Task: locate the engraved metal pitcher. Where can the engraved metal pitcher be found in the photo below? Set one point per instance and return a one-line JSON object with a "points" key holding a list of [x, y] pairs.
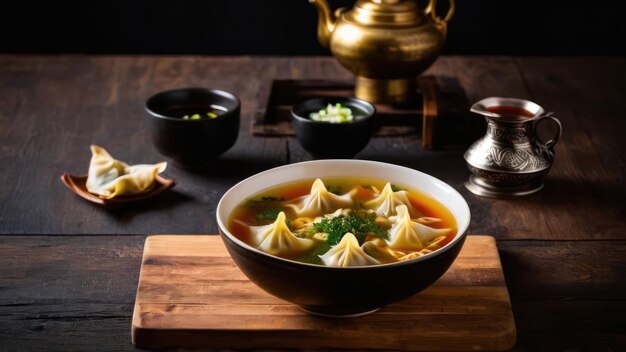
{"points": [[510, 160]]}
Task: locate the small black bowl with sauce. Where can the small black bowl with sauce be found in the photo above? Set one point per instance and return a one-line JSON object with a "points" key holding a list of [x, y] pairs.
{"points": [[330, 139], [193, 125]]}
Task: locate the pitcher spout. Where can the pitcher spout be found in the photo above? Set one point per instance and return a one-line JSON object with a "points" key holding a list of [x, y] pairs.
{"points": [[325, 22]]}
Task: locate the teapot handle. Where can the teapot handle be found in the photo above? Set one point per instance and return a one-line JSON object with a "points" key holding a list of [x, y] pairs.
{"points": [[442, 24], [552, 142]]}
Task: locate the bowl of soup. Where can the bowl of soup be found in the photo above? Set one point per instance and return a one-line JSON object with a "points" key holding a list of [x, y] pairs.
{"points": [[194, 125], [342, 237]]}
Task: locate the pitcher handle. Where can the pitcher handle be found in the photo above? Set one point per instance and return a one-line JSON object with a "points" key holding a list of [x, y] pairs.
{"points": [[442, 24], [549, 145]]}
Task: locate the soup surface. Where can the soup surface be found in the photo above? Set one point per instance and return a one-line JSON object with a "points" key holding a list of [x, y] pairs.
{"points": [[510, 111], [193, 112], [343, 222]]}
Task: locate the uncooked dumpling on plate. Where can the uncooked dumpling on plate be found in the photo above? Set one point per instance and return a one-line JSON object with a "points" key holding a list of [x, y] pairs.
{"points": [[277, 239], [108, 177]]}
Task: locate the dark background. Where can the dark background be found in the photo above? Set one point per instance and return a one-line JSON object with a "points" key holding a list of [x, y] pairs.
{"points": [[287, 27]]}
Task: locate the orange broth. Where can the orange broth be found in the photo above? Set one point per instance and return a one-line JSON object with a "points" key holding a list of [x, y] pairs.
{"points": [[426, 205]]}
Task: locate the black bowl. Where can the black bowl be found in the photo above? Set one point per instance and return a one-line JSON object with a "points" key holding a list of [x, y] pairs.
{"points": [[193, 143], [333, 291], [333, 140], [341, 292]]}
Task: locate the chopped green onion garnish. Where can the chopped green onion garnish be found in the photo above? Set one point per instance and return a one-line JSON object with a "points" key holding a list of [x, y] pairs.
{"points": [[333, 114], [209, 114]]}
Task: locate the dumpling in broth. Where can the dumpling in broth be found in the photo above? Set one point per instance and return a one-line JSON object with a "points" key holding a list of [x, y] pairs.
{"points": [[320, 201], [406, 234], [347, 253], [108, 177], [385, 204], [277, 239]]}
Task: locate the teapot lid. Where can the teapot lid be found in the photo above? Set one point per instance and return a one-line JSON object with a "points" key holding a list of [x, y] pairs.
{"points": [[401, 12]]}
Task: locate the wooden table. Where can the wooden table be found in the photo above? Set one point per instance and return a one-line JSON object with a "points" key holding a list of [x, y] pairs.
{"points": [[68, 269]]}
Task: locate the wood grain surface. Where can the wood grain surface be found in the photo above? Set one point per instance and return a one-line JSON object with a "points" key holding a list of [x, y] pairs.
{"points": [[76, 293], [53, 107], [192, 295], [69, 269]]}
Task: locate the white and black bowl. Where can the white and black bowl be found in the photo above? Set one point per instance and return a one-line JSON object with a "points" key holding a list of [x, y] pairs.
{"points": [[333, 291]]}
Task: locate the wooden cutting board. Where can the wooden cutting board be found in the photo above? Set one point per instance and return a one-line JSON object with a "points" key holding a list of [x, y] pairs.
{"points": [[191, 295]]}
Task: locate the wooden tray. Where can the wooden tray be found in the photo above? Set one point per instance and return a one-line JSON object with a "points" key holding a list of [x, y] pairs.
{"points": [[440, 111], [191, 295]]}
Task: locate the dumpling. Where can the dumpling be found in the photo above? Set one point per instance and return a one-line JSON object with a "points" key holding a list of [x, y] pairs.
{"points": [[406, 234], [277, 239], [385, 204], [110, 178], [320, 201], [347, 253]]}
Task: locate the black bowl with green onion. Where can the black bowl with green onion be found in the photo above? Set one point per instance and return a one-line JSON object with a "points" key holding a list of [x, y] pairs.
{"points": [[333, 127], [193, 125]]}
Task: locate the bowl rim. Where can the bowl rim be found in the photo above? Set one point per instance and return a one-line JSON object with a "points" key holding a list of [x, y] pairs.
{"points": [[461, 228], [214, 91], [366, 117]]}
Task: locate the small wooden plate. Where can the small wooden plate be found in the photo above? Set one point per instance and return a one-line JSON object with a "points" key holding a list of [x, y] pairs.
{"points": [[78, 185]]}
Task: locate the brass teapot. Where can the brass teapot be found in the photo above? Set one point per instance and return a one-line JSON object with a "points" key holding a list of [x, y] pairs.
{"points": [[385, 43]]}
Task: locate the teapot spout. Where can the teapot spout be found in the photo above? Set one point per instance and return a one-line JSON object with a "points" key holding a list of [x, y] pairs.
{"points": [[325, 21]]}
